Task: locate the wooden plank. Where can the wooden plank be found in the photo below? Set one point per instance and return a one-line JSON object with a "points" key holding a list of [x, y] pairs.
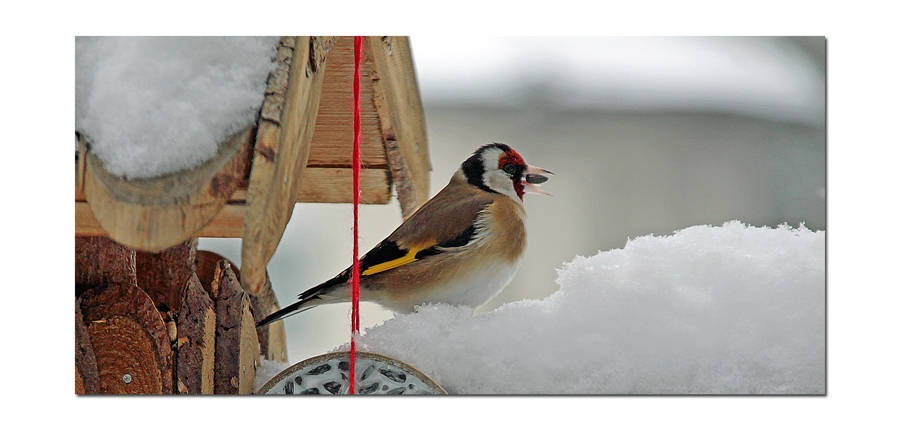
{"points": [[162, 275], [196, 345], [281, 154], [154, 214], [228, 223], [272, 340], [402, 119], [332, 143], [335, 185], [237, 346], [130, 340], [319, 185]]}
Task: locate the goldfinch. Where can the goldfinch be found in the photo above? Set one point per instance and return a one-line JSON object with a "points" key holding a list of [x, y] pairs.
{"points": [[462, 247]]}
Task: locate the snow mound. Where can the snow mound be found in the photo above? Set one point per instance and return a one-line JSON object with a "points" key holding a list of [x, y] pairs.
{"points": [[157, 105], [708, 310], [268, 369]]}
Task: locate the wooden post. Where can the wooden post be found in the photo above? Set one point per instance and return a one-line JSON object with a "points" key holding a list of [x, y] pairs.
{"points": [[87, 380], [281, 153], [101, 261], [196, 342], [237, 346], [163, 275], [272, 342], [129, 339], [402, 119]]}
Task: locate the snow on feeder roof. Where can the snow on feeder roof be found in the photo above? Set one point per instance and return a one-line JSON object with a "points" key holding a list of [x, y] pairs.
{"points": [[158, 105]]}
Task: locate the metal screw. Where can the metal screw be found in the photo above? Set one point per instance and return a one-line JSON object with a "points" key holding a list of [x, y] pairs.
{"points": [[126, 378], [308, 70]]}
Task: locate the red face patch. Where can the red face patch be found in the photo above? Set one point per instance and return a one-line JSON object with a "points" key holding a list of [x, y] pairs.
{"points": [[511, 156]]}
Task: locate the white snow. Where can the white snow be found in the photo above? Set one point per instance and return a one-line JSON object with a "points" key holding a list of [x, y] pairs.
{"points": [[157, 105], [708, 310], [268, 369]]}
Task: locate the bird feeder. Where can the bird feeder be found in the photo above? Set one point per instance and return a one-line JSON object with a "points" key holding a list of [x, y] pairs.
{"points": [[141, 283], [329, 373]]}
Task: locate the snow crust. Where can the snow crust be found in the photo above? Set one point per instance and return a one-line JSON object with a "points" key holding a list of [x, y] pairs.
{"points": [[157, 105], [734, 309]]}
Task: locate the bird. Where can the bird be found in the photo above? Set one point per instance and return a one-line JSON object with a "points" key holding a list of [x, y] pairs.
{"points": [[462, 247]]}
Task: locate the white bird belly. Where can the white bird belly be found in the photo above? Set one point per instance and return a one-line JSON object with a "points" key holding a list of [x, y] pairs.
{"points": [[476, 288]]}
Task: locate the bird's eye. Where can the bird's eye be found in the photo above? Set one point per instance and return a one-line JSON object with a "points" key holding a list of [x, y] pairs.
{"points": [[509, 168]]}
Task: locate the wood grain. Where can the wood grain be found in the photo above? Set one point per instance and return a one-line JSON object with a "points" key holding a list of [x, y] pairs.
{"points": [[154, 214], [128, 335], [402, 119], [101, 261], [162, 275], [87, 379], [275, 180], [196, 344], [237, 346]]}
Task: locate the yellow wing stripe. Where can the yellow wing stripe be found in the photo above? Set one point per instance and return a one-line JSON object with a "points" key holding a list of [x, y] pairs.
{"points": [[388, 265]]}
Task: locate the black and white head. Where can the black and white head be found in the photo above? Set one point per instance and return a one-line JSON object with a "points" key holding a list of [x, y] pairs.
{"points": [[497, 168]]}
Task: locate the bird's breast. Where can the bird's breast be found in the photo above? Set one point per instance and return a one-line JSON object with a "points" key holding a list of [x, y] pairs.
{"points": [[470, 275], [475, 288]]}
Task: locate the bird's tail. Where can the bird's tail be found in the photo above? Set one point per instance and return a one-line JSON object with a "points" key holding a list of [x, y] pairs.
{"points": [[295, 308], [320, 294]]}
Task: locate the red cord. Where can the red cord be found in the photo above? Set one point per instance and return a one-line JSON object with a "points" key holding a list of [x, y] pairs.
{"points": [[354, 317]]}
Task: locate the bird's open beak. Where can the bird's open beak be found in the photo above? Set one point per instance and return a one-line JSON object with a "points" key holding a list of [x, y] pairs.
{"points": [[533, 177]]}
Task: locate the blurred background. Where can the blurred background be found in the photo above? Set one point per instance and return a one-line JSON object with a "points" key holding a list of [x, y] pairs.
{"points": [[646, 135]]}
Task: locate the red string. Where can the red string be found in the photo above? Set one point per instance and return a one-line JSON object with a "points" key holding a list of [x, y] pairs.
{"points": [[354, 280]]}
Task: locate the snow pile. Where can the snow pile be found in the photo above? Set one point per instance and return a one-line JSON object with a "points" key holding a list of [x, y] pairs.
{"points": [[708, 310], [157, 105], [268, 369]]}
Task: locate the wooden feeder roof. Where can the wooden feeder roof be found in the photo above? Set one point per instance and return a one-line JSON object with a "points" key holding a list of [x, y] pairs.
{"points": [[299, 150]]}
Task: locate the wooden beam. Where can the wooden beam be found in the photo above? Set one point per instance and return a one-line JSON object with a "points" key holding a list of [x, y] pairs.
{"points": [[155, 214], [402, 119], [335, 185], [319, 185], [281, 146]]}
